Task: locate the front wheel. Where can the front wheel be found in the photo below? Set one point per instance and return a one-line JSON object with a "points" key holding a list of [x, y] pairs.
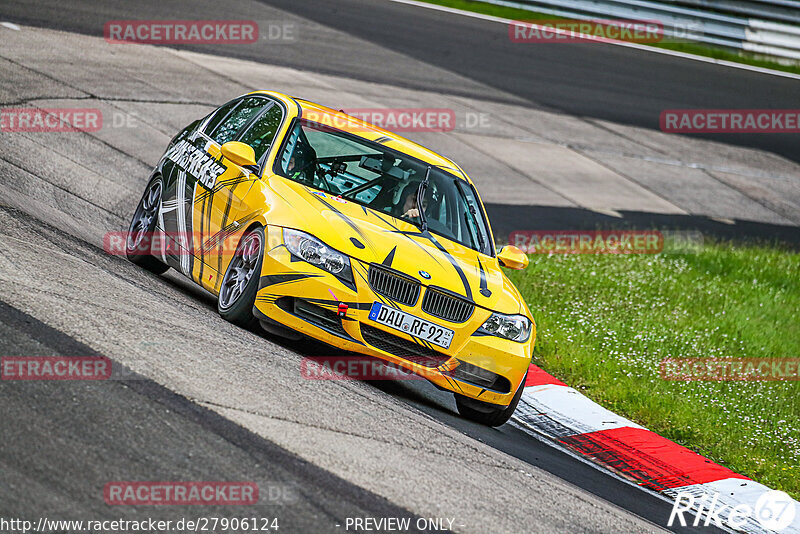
{"points": [[485, 413], [237, 294], [143, 224]]}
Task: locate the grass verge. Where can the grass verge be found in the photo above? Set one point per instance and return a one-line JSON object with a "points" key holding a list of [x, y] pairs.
{"points": [[699, 49], [605, 322]]}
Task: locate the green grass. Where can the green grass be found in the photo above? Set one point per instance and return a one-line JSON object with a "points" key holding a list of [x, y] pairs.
{"points": [[692, 48], [605, 322]]}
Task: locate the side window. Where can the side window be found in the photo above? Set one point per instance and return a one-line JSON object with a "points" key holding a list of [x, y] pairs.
{"points": [[242, 113], [219, 115], [262, 132]]}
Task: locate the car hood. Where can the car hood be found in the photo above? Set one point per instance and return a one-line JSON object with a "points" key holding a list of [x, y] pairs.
{"points": [[375, 237]]}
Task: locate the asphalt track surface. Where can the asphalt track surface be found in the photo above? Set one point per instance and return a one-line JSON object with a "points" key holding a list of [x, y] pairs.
{"points": [[602, 81], [172, 439], [65, 442]]}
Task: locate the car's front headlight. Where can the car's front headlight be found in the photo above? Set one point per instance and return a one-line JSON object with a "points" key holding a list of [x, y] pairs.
{"points": [[309, 248], [513, 327]]}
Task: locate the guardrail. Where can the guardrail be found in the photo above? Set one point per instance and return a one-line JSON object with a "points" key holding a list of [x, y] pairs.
{"points": [[764, 27]]}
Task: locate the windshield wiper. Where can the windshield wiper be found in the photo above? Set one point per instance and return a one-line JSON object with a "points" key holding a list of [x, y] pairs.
{"points": [[472, 212], [423, 187]]}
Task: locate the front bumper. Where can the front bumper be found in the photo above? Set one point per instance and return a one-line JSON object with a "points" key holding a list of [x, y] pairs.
{"points": [[305, 299]]}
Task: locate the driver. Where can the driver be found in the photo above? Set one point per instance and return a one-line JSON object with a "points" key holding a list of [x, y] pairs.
{"points": [[407, 207]]}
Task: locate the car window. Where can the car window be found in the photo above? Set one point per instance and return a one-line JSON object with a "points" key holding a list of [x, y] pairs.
{"points": [[245, 110], [262, 132], [219, 115], [385, 180]]}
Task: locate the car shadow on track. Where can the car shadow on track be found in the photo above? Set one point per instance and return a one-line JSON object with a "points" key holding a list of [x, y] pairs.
{"points": [[414, 391]]}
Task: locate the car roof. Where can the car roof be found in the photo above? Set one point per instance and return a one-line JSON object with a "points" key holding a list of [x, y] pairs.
{"points": [[342, 121]]}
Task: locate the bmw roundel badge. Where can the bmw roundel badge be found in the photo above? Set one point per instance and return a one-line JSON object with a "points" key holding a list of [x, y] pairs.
{"points": [[425, 275]]}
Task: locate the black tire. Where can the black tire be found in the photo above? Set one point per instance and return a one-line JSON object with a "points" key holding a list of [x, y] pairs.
{"points": [[485, 413], [143, 224], [237, 293]]}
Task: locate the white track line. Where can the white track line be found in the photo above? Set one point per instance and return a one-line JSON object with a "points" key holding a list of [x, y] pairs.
{"points": [[637, 46]]}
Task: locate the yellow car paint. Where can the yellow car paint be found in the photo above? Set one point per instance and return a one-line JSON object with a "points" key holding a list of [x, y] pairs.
{"points": [[240, 199]]}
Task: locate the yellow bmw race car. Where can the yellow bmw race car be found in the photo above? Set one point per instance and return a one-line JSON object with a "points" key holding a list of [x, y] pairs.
{"points": [[311, 222]]}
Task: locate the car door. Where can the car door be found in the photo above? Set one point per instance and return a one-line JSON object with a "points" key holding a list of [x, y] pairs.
{"points": [[220, 212], [194, 175], [179, 170]]}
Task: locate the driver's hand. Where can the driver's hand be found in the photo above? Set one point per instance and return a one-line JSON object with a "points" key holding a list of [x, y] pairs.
{"points": [[411, 214]]}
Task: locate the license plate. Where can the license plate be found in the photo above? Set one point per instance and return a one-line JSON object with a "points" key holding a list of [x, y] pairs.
{"points": [[405, 322]]}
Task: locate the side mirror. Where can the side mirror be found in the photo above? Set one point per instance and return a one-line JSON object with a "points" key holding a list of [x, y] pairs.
{"points": [[512, 257], [239, 153]]}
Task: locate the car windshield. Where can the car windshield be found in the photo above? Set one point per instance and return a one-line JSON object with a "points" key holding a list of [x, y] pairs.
{"points": [[385, 180]]}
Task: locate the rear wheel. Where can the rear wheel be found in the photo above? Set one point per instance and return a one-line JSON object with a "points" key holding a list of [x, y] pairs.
{"points": [[485, 413], [237, 294], [143, 224]]}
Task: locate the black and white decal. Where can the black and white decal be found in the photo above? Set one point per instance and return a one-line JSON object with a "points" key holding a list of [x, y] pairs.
{"points": [[196, 162], [182, 229]]}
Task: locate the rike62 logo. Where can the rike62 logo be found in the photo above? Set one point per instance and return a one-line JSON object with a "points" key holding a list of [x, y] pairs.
{"points": [[773, 511]]}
